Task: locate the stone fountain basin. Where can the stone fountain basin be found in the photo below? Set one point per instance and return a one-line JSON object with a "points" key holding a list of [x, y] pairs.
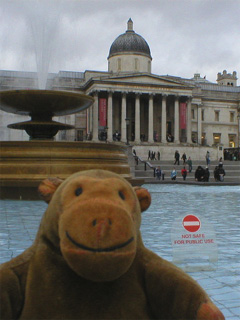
{"points": [[43, 102], [24, 164]]}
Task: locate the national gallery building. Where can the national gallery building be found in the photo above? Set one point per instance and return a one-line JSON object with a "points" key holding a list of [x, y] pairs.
{"points": [[133, 105]]}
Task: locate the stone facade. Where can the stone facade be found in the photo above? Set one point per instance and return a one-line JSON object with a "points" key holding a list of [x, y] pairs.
{"points": [[134, 105]]}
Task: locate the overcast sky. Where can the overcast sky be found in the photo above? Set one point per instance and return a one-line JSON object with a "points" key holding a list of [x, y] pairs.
{"points": [[184, 36]]}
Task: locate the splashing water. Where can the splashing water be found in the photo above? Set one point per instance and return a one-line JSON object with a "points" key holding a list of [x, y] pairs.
{"points": [[43, 18]]}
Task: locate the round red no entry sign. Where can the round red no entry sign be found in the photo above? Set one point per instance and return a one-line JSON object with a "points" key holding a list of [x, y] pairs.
{"points": [[191, 223]]}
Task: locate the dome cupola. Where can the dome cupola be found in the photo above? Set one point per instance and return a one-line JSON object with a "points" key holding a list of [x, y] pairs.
{"points": [[129, 52]]}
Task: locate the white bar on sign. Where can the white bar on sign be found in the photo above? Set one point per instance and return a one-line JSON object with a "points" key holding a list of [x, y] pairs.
{"points": [[191, 223]]}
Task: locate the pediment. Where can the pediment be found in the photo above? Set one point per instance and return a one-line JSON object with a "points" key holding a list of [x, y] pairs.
{"points": [[147, 79]]}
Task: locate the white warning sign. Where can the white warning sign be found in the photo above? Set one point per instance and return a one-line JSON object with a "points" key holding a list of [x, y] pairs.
{"points": [[194, 244]]}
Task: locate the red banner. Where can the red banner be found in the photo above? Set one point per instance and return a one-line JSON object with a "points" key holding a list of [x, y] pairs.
{"points": [[183, 115], [103, 112]]}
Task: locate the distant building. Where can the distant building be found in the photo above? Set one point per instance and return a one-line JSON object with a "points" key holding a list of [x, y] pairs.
{"points": [[133, 104]]}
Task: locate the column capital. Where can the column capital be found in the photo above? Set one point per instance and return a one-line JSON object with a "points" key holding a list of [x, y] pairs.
{"points": [[138, 94], [94, 92]]}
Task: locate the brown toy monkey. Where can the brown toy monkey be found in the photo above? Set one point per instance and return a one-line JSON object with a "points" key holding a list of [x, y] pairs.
{"points": [[89, 262]]}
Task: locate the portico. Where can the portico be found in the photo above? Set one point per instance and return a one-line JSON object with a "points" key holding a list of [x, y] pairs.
{"points": [[154, 117]]}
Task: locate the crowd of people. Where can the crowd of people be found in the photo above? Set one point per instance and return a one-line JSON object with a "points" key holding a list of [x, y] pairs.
{"points": [[152, 155], [201, 174]]}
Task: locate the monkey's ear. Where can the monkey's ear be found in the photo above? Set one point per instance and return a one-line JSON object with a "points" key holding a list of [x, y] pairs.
{"points": [[144, 197], [47, 188]]}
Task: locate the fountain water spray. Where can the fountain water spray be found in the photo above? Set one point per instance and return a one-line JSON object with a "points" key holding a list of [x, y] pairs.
{"points": [[43, 17]]}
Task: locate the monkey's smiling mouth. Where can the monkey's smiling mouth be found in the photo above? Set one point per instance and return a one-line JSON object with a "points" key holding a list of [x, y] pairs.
{"points": [[108, 249]]}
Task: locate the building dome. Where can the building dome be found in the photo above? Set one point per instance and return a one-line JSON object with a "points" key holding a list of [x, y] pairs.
{"points": [[130, 43]]}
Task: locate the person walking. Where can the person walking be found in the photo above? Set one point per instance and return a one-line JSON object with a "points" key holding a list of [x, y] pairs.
{"points": [[149, 155], [189, 162], [154, 155], [174, 174], [184, 173], [177, 157], [184, 157], [158, 173], [163, 175], [220, 161], [208, 158]]}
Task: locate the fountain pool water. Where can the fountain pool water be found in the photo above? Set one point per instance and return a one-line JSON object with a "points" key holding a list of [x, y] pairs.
{"points": [[19, 222]]}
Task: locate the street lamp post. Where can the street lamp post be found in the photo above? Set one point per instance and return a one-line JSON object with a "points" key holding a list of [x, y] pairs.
{"points": [[127, 125]]}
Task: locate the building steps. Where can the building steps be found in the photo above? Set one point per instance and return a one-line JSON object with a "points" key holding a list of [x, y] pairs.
{"points": [[232, 170]]}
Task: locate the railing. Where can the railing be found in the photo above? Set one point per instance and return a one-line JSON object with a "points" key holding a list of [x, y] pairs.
{"points": [[146, 164]]}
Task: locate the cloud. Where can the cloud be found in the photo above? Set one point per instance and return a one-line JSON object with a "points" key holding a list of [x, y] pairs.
{"points": [[185, 36]]}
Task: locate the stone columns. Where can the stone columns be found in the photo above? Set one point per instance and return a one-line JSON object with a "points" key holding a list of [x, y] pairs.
{"points": [[90, 120], [189, 120], [95, 117], [137, 119], [199, 124], [176, 119], [123, 120], [150, 119], [109, 118], [164, 118]]}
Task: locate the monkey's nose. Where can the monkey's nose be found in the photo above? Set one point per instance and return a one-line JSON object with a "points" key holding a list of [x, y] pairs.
{"points": [[102, 226]]}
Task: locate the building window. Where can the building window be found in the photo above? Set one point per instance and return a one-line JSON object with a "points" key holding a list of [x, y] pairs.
{"points": [[63, 135], [202, 115], [216, 138], [194, 137], [232, 140], [216, 115], [203, 139], [193, 114], [231, 116]]}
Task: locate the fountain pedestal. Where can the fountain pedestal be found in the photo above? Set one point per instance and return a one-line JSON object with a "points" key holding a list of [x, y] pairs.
{"points": [[41, 106], [24, 164]]}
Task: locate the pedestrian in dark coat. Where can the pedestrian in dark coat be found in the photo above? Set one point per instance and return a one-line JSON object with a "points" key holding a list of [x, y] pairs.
{"points": [[177, 157], [199, 173], [158, 173], [189, 162], [206, 175], [184, 157], [149, 155]]}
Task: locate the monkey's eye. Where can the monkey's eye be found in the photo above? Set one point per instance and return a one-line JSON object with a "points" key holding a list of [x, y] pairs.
{"points": [[121, 195], [78, 191]]}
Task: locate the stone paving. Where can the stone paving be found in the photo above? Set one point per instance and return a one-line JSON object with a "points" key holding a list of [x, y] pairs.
{"points": [[19, 221]]}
